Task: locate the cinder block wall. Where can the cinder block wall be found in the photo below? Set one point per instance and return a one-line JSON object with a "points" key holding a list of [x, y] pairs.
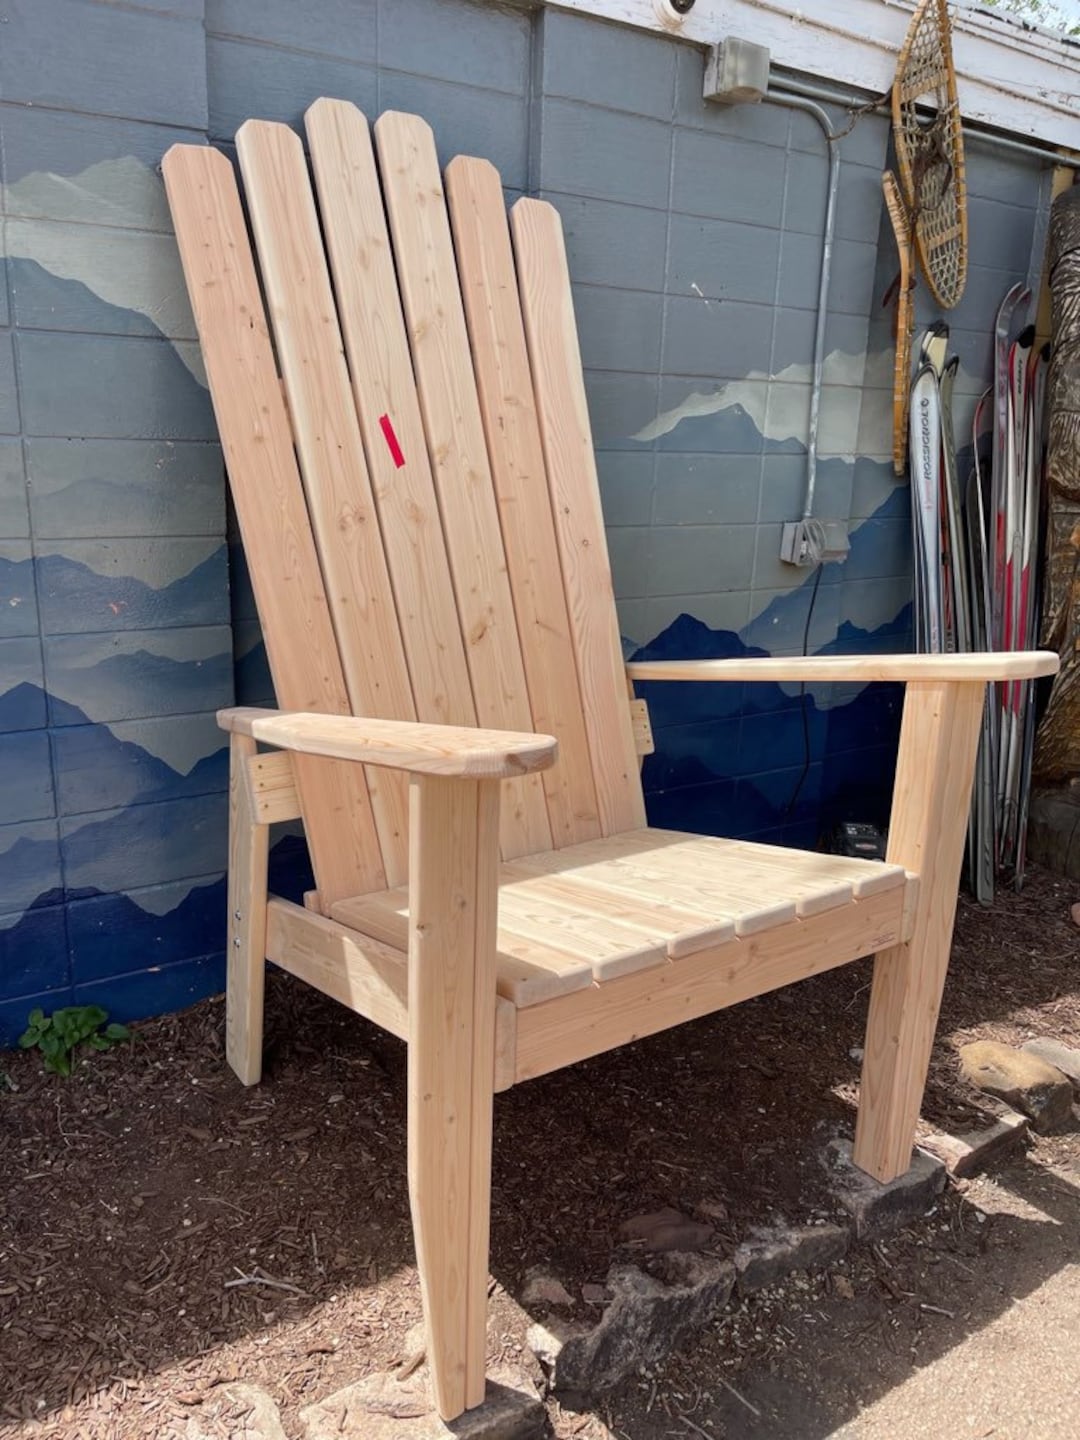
{"points": [[694, 236]]}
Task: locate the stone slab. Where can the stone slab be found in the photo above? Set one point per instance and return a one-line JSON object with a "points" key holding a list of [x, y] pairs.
{"points": [[1062, 1057], [876, 1208], [383, 1408], [647, 1317], [770, 1257], [969, 1151]]}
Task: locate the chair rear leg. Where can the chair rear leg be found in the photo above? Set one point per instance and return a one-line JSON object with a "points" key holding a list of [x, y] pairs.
{"points": [[246, 960], [453, 860], [934, 773]]}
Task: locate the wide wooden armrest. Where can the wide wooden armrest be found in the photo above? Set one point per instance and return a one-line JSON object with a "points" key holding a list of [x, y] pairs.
{"points": [[1011, 665], [397, 744]]}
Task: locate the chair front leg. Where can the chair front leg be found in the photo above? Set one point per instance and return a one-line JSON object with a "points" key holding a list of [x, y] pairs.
{"points": [[246, 960], [453, 899], [939, 741]]}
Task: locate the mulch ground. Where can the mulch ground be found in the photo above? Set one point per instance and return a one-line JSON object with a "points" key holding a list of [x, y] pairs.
{"points": [[164, 1231]]}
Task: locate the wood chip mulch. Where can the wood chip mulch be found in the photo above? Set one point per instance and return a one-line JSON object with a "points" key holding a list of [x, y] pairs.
{"points": [[164, 1231]]}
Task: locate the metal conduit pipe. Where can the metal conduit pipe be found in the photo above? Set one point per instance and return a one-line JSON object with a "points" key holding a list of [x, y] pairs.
{"points": [[810, 106], [851, 100]]}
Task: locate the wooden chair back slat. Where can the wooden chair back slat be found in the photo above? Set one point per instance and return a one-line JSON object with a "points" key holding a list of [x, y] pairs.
{"points": [[548, 310], [257, 441], [442, 363], [384, 391], [331, 453], [504, 384]]}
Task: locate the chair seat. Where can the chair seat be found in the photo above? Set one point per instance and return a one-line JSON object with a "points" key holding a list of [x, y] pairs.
{"points": [[589, 913]]}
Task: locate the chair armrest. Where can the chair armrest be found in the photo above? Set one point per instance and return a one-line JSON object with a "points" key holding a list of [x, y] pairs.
{"points": [[397, 744], [1006, 665]]}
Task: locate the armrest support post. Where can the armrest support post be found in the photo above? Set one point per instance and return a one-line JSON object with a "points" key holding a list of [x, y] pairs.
{"points": [[453, 916], [939, 741]]}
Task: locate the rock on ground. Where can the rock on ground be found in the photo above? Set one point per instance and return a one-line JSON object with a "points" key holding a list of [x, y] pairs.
{"points": [[541, 1287], [878, 1208], [1063, 1057], [973, 1150], [667, 1229], [773, 1255], [382, 1408], [647, 1317], [1022, 1080]]}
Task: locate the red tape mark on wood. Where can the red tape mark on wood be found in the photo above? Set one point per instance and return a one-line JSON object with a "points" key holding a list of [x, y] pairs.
{"points": [[391, 441]]}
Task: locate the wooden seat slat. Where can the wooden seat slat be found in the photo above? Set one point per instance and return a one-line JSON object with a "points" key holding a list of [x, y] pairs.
{"points": [[609, 907], [527, 972]]}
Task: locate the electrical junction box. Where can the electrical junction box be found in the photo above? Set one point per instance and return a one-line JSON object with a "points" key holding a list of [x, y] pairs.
{"points": [[814, 542], [736, 72]]}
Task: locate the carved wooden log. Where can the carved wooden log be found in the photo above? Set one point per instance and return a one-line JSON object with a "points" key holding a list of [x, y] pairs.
{"points": [[1057, 752]]}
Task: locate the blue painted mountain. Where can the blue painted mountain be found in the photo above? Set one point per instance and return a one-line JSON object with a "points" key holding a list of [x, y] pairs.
{"points": [[133, 960], [47, 301], [127, 686], [74, 598], [33, 950], [113, 934], [26, 776], [97, 771], [146, 844], [29, 864], [729, 759]]}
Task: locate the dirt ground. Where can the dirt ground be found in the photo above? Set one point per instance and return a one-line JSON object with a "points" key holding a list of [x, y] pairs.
{"points": [[163, 1231]]}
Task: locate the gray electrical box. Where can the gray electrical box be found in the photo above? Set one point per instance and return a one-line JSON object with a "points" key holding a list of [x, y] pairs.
{"points": [[737, 72]]}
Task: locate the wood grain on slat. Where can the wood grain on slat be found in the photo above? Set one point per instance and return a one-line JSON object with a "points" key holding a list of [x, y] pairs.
{"points": [[636, 863], [504, 383], [682, 931], [340, 502], [269, 498], [608, 946], [384, 391], [555, 359], [423, 249], [527, 971]]}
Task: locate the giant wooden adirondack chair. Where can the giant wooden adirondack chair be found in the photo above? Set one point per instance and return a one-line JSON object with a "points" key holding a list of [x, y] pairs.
{"points": [[409, 452]]}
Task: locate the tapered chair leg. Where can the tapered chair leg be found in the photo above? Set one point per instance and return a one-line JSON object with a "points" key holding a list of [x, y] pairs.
{"points": [[936, 765], [246, 958], [453, 862]]}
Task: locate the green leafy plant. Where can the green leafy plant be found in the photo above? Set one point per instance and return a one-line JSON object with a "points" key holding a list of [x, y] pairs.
{"points": [[60, 1034]]}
